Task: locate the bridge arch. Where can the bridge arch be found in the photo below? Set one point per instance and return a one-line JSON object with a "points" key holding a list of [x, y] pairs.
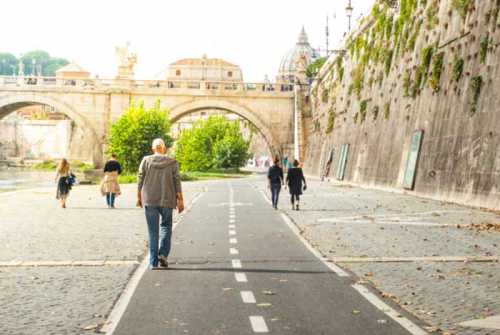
{"points": [[183, 109], [11, 103]]}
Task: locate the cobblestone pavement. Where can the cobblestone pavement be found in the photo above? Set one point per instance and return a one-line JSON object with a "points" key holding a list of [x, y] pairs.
{"points": [[66, 300], [356, 223]]}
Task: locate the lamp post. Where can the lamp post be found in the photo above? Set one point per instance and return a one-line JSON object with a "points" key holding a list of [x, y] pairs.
{"points": [[348, 11]]}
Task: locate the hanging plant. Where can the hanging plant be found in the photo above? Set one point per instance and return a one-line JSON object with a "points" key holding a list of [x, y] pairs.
{"points": [[463, 7], [476, 86], [362, 110], [458, 68], [483, 48], [387, 110], [437, 69], [331, 122]]}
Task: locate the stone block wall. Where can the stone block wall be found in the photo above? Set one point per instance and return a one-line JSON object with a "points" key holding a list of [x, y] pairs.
{"points": [[430, 65]]}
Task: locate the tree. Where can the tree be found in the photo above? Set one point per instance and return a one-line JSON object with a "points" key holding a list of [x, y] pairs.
{"points": [[313, 68], [8, 64], [130, 137], [215, 143]]}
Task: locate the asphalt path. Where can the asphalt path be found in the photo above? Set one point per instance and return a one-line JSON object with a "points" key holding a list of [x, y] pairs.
{"points": [[236, 267]]}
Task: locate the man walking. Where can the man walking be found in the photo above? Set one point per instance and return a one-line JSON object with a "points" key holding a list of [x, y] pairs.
{"points": [[275, 177], [159, 191]]}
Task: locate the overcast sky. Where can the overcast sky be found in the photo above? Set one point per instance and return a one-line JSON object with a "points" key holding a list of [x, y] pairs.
{"points": [[253, 34]]}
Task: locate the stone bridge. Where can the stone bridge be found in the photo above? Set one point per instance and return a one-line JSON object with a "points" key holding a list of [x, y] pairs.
{"points": [[93, 104]]}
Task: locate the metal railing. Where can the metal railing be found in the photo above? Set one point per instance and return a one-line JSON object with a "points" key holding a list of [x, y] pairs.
{"points": [[169, 85]]}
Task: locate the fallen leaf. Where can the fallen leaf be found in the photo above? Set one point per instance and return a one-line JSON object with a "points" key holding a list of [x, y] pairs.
{"points": [[355, 312], [90, 327], [268, 292], [264, 304]]}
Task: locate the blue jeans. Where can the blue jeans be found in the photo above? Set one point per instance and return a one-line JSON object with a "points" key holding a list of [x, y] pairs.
{"points": [[153, 215], [275, 194], [110, 199]]}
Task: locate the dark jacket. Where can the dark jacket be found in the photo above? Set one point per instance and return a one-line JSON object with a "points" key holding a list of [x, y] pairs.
{"points": [[295, 180], [112, 166], [275, 175], [159, 181]]}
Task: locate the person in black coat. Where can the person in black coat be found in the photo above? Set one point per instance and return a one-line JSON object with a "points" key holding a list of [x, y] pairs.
{"points": [[296, 183], [275, 177]]}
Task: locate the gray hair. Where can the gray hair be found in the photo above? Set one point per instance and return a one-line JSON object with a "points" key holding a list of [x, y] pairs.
{"points": [[158, 143]]}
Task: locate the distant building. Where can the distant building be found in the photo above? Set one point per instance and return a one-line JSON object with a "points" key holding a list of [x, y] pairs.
{"points": [[205, 69], [296, 59]]}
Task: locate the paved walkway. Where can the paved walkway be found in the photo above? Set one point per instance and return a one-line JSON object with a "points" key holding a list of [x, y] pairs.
{"points": [[62, 270], [437, 260], [238, 268]]}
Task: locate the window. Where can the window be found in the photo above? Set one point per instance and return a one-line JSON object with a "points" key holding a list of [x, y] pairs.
{"points": [[177, 72], [230, 74]]}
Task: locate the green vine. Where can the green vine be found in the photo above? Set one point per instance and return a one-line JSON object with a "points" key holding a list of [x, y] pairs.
{"points": [[375, 112], [483, 48], [324, 95], [431, 14], [463, 7], [413, 39], [458, 68], [340, 68], [476, 86], [388, 61], [387, 110], [355, 117], [358, 80], [362, 110], [331, 121], [437, 69], [406, 84]]}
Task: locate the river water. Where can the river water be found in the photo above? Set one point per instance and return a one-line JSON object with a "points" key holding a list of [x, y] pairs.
{"points": [[13, 179]]}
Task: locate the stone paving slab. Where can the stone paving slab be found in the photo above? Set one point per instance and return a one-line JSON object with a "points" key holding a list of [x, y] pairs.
{"points": [[48, 300], [61, 270], [404, 245]]}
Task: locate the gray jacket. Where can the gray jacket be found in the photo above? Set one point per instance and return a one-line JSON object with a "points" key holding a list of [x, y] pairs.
{"points": [[159, 181]]}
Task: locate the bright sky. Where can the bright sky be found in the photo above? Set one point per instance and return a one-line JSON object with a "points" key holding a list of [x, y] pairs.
{"points": [[253, 34]]}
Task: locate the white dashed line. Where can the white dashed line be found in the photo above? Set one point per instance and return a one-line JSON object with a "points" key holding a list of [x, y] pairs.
{"points": [[248, 297], [377, 302], [236, 263], [232, 232], [233, 240], [232, 221], [231, 226], [232, 216], [258, 324], [233, 251], [240, 277]]}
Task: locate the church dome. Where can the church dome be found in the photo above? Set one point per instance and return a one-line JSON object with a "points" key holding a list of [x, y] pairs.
{"points": [[288, 65]]}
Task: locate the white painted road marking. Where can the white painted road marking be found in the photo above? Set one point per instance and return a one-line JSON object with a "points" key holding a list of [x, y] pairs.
{"points": [[232, 221], [240, 277], [232, 216], [232, 226], [377, 302], [233, 251], [248, 297], [258, 324], [236, 263], [233, 240], [332, 266], [232, 232]]}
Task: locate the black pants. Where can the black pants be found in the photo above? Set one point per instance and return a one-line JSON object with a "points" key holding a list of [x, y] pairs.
{"points": [[275, 193], [295, 198]]}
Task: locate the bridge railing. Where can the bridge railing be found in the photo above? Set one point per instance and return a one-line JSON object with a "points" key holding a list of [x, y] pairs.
{"points": [[161, 85]]}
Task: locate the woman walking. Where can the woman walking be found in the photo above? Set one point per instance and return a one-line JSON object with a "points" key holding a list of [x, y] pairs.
{"points": [[275, 177], [109, 186], [64, 181], [296, 183]]}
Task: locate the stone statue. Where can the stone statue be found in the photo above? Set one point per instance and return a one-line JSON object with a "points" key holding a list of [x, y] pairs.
{"points": [[126, 62]]}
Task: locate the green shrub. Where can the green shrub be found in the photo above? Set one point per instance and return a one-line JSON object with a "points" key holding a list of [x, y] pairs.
{"points": [[331, 122], [215, 143]]}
